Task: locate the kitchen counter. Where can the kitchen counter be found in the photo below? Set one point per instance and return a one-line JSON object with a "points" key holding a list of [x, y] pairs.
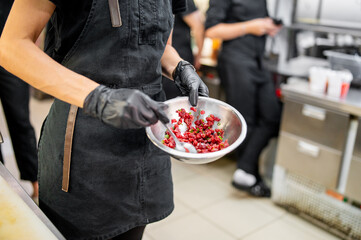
{"points": [[298, 89], [20, 217], [318, 104], [317, 170]]}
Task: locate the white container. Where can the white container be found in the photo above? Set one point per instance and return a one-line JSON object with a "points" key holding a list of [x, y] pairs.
{"points": [[318, 79], [338, 83], [334, 84]]}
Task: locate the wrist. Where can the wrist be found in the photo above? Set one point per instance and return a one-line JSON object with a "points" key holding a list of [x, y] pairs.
{"points": [[245, 28], [180, 67]]}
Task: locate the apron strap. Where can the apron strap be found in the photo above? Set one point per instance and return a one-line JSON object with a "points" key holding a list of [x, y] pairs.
{"points": [[68, 145]]}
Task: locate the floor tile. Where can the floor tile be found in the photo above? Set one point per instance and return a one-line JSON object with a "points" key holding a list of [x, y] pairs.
{"points": [[238, 216], [269, 206], [181, 171], [199, 192], [39, 109], [222, 169], [190, 227], [180, 210], [280, 230], [308, 227]]}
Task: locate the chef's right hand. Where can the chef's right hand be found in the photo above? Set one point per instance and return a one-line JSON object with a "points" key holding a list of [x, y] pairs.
{"points": [[262, 26], [124, 108]]}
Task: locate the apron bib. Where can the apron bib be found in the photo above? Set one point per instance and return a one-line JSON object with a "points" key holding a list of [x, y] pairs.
{"points": [[118, 178]]}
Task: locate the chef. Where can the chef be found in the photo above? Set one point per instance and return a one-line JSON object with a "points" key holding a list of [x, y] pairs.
{"points": [[99, 175], [243, 26]]}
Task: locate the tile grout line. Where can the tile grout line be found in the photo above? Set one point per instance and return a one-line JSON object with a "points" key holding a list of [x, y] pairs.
{"points": [[216, 226], [263, 226]]}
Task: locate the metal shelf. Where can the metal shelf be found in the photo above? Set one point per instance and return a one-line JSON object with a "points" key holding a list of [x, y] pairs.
{"points": [[325, 29]]}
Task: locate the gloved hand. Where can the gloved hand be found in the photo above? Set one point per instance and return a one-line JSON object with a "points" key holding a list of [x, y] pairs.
{"points": [[189, 83], [124, 108]]}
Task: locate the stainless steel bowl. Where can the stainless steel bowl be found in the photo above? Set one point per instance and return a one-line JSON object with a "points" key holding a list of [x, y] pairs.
{"points": [[232, 122]]}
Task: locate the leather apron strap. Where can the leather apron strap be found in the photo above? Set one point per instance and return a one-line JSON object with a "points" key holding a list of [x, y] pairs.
{"points": [[67, 146]]}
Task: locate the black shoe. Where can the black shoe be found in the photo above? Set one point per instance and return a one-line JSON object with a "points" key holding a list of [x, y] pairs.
{"points": [[259, 189]]}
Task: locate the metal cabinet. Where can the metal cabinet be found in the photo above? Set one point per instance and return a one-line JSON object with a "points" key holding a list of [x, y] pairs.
{"points": [[316, 124], [357, 147], [318, 163], [309, 159], [353, 185], [311, 142]]}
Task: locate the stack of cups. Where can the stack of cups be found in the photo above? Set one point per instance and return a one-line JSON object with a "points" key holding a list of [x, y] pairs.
{"points": [[339, 83], [318, 79], [335, 83]]}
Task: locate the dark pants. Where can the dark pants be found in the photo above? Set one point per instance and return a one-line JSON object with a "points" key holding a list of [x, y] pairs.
{"points": [[170, 89], [250, 90], [132, 234], [14, 95]]}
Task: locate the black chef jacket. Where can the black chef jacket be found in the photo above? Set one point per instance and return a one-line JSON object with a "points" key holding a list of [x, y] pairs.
{"points": [[5, 6], [232, 11], [181, 33]]}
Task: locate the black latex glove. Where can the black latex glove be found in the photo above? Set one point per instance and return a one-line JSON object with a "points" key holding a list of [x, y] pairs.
{"points": [[189, 83], [124, 108]]}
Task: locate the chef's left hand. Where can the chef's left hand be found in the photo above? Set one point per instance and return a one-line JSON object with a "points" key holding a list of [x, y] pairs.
{"points": [[189, 83]]}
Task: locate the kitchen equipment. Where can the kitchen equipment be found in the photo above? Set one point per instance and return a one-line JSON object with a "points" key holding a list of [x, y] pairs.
{"points": [[232, 122], [180, 146], [343, 59], [277, 21], [318, 79]]}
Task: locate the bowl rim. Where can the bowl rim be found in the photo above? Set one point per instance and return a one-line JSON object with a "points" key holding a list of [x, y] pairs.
{"points": [[222, 152]]}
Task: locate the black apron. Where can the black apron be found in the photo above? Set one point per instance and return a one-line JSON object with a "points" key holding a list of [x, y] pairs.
{"points": [[118, 178]]}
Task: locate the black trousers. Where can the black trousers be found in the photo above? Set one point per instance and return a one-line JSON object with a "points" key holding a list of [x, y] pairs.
{"points": [[133, 234], [250, 90], [14, 96]]}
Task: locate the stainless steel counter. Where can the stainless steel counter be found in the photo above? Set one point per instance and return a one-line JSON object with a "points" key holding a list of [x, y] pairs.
{"points": [[317, 170], [15, 186], [298, 89]]}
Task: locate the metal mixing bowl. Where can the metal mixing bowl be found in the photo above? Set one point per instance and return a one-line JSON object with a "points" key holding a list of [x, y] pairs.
{"points": [[232, 122]]}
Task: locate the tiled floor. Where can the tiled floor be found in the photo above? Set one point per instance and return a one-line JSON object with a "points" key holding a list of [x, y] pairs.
{"points": [[207, 207]]}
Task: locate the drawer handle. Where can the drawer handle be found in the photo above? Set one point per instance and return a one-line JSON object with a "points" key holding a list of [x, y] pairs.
{"points": [[314, 112], [308, 149]]}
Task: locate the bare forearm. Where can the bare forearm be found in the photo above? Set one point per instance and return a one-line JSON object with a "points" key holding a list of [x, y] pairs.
{"points": [[196, 23], [227, 31], [25, 60], [169, 61], [20, 55], [199, 38]]}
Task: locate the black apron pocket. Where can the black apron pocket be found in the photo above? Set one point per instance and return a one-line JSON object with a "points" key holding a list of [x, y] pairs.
{"points": [[148, 22]]}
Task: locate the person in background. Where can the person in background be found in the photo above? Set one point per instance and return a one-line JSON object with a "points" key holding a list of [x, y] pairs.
{"points": [[14, 96], [100, 177], [186, 22], [243, 26]]}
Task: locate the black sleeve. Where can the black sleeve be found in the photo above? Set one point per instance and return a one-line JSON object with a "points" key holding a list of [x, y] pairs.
{"points": [[191, 7], [179, 6], [267, 14], [57, 3], [217, 12]]}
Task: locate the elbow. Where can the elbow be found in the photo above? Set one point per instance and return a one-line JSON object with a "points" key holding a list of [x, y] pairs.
{"points": [[7, 51]]}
